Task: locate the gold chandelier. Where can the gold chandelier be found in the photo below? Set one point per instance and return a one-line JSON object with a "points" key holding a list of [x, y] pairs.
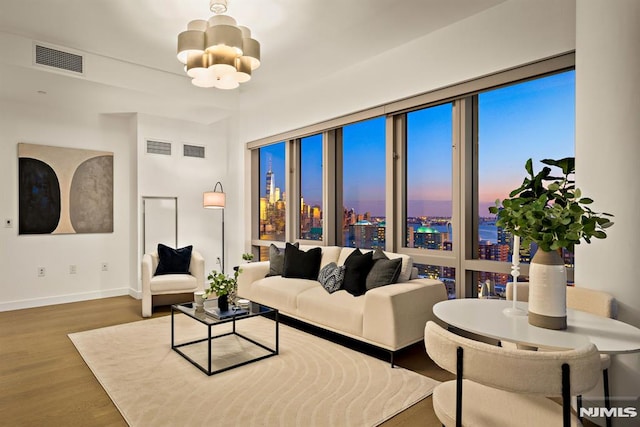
{"points": [[218, 53]]}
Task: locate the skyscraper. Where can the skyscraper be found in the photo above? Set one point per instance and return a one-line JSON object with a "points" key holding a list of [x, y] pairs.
{"points": [[271, 182]]}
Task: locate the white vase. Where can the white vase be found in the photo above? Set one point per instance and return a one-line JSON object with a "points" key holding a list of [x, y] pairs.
{"points": [[198, 297], [548, 290]]}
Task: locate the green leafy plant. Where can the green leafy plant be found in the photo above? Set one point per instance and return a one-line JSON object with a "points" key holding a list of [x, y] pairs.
{"points": [[221, 284], [550, 210], [247, 256]]}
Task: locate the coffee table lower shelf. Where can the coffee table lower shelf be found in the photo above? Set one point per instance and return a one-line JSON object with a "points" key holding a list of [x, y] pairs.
{"points": [[210, 339]]}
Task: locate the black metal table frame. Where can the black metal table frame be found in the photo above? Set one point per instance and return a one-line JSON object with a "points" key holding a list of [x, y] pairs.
{"points": [[210, 338]]}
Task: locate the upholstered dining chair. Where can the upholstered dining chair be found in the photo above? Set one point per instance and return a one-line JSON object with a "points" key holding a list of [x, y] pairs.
{"points": [[169, 287], [592, 301], [497, 386]]}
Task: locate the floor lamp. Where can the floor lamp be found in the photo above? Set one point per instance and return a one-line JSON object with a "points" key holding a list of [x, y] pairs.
{"points": [[216, 200]]}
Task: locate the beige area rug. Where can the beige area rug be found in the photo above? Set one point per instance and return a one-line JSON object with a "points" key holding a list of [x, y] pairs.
{"points": [[312, 382]]}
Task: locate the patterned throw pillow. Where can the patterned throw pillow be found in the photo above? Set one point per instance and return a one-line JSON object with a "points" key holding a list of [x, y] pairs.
{"points": [[331, 277]]}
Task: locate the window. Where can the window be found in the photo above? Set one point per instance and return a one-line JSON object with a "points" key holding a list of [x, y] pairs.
{"points": [[311, 188], [449, 154], [446, 275], [272, 192], [429, 203], [534, 119], [363, 184]]}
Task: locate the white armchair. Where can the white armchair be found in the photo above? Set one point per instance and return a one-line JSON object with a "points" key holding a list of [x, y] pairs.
{"points": [[169, 288]]}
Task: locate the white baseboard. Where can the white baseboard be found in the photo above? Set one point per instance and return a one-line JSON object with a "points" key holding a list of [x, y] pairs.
{"points": [[63, 299]]}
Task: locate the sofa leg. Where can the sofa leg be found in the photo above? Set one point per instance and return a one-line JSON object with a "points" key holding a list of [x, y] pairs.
{"points": [[391, 356]]}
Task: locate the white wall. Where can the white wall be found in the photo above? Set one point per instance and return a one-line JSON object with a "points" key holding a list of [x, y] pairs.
{"points": [[136, 174], [21, 255], [607, 157], [185, 178]]}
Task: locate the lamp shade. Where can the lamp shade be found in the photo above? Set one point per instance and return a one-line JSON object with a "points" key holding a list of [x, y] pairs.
{"points": [[213, 199]]}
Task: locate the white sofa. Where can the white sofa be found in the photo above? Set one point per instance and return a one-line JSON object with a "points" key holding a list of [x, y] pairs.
{"points": [[169, 288], [391, 317]]}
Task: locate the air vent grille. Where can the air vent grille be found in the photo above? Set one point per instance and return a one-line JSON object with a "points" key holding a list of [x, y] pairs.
{"points": [[59, 59], [193, 151], [158, 147]]}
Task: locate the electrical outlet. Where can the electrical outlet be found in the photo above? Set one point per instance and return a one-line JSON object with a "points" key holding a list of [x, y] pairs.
{"points": [[73, 269], [41, 271], [8, 223], [105, 266]]}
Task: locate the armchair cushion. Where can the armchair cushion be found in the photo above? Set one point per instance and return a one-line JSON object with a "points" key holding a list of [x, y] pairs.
{"points": [[173, 261]]}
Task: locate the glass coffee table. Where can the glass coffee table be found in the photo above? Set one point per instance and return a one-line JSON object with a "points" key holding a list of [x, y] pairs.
{"points": [[246, 349]]}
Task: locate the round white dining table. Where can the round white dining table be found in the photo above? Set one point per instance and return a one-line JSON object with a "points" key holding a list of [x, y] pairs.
{"points": [[486, 317]]}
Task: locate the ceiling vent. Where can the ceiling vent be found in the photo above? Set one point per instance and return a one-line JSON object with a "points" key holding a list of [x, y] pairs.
{"points": [[61, 60], [158, 147], [193, 151]]}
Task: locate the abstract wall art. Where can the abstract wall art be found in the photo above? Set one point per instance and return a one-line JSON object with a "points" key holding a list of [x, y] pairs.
{"points": [[64, 190]]}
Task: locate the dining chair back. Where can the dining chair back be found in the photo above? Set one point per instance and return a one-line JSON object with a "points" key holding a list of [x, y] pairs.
{"points": [[503, 386], [592, 301]]}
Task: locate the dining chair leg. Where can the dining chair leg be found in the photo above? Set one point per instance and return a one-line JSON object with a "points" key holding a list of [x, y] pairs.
{"points": [[607, 401], [578, 406], [566, 395]]}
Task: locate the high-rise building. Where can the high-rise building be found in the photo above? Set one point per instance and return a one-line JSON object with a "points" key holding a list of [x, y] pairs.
{"points": [[271, 184]]}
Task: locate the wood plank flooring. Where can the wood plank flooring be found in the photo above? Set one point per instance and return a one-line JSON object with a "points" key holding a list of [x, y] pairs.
{"points": [[45, 382]]}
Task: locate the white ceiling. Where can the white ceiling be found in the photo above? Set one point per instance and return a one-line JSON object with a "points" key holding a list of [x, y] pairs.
{"points": [[302, 41]]}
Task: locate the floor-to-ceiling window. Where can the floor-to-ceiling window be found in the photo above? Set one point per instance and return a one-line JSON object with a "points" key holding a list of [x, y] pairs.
{"points": [[429, 203], [363, 184], [272, 218], [533, 119], [311, 188]]}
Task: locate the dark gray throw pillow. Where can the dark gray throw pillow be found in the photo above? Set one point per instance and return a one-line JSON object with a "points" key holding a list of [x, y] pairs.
{"points": [[276, 260], [173, 261], [385, 271], [357, 266], [331, 277], [300, 264]]}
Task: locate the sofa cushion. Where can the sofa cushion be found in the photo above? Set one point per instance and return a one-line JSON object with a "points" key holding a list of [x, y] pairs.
{"points": [[340, 310], [385, 271], [357, 266], [299, 264], [276, 260], [331, 277], [173, 261], [281, 294]]}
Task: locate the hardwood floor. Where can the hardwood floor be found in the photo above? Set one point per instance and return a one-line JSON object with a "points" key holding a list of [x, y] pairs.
{"points": [[45, 382]]}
